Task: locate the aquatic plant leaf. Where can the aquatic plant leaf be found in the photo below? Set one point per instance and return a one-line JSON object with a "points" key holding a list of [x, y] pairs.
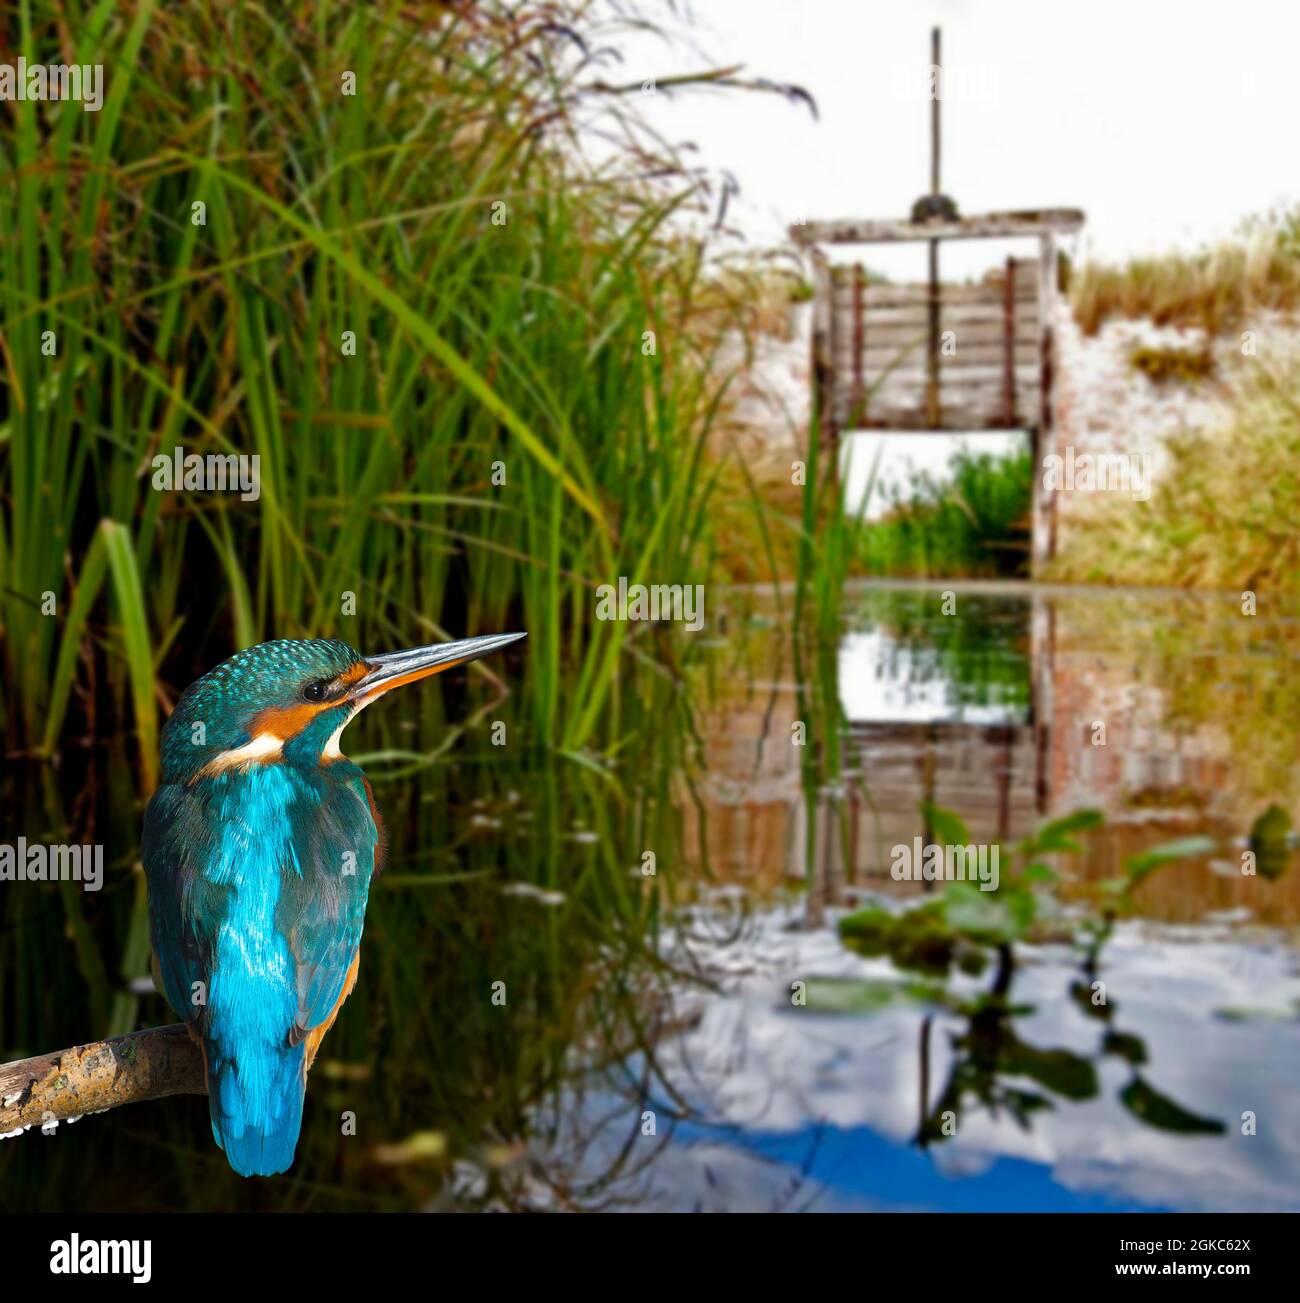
{"points": [[917, 938], [988, 1002], [1252, 1013], [1039, 872], [1056, 835], [868, 995], [1157, 1110], [866, 926], [946, 827], [1058, 843], [1060, 1071], [1272, 825], [1022, 1103], [972, 961], [1081, 994], [1138, 867], [988, 916], [1268, 840], [1079, 821], [1132, 1049]]}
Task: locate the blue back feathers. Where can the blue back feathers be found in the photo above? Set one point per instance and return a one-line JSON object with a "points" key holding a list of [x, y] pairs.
{"points": [[258, 881]]}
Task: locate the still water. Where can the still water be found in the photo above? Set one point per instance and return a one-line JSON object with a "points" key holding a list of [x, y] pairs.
{"points": [[679, 1024]]}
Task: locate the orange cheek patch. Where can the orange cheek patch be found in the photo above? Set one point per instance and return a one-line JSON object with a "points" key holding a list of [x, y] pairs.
{"points": [[287, 721]]}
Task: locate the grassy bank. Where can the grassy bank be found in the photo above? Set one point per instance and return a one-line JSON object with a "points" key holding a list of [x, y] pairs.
{"points": [[367, 246], [974, 522], [1223, 506]]}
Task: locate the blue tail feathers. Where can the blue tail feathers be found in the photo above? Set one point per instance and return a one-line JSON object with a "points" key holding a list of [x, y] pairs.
{"points": [[256, 1105]]}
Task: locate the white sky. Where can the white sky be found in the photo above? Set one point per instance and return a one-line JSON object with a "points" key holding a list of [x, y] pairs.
{"points": [[1167, 121]]}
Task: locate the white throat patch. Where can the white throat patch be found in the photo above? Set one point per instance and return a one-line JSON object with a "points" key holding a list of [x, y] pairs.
{"points": [[262, 747], [332, 750]]}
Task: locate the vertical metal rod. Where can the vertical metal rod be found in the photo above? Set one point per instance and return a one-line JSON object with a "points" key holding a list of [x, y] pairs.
{"points": [[932, 352], [859, 388], [1004, 782], [936, 73], [1045, 442], [1009, 346], [823, 355]]}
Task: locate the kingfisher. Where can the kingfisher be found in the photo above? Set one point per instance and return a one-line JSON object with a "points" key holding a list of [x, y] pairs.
{"points": [[259, 848]]}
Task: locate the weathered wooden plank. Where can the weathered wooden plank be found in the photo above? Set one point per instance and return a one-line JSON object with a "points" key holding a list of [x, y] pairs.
{"points": [[914, 314], [916, 317], [904, 349], [904, 389], [904, 355], [904, 296], [899, 296], [892, 322], [987, 402], [905, 386], [990, 373], [874, 361], [916, 422], [895, 403], [874, 301], [877, 356], [912, 357], [892, 336], [875, 339], [1031, 222], [968, 340], [1025, 274]]}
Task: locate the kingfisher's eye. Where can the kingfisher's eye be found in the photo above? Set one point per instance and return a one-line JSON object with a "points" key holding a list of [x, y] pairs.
{"points": [[315, 691]]}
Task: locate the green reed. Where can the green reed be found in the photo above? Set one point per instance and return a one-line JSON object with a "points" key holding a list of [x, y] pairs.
{"points": [[975, 524], [525, 415], [518, 346]]}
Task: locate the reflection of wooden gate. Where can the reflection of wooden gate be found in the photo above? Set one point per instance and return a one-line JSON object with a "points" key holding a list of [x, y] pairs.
{"points": [[986, 371], [938, 356]]}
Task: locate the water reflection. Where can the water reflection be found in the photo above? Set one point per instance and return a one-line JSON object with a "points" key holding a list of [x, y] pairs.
{"points": [[1172, 713], [821, 1107], [1010, 709], [650, 907]]}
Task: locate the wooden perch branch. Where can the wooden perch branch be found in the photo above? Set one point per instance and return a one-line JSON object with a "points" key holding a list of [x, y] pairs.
{"points": [[149, 1064]]}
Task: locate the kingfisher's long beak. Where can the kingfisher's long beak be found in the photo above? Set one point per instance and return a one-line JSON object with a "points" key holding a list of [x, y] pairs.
{"points": [[396, 668]]}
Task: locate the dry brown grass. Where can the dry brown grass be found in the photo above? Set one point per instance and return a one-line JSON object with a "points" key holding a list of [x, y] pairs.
{"points": [[1223, 511], [1215, 290]]}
